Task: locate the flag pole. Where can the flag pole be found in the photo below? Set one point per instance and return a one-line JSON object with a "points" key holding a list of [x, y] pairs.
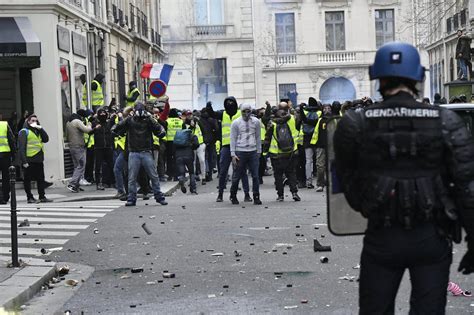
{"points": [[144, 89]]}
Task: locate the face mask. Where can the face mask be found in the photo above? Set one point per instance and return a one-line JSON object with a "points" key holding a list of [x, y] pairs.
{"points": [[102, 117]]}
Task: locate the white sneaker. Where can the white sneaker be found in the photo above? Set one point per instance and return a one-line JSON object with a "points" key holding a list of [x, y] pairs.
{"points": [[84, 182]]}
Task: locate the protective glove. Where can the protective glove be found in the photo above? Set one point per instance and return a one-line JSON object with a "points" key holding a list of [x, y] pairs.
{"points": [[26, 165], [466, 266]]}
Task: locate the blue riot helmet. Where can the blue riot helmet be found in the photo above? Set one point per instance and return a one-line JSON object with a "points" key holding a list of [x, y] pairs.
{"points": [[397, 59]]}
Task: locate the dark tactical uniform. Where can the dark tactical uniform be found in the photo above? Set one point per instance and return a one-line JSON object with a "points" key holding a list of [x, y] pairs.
{"points": [[399, 163]]}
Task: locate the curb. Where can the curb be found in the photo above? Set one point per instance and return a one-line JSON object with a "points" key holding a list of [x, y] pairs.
{"points": [[21, 286]]}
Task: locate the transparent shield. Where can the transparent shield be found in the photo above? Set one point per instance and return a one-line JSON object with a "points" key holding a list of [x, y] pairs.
{"points": [[342, 219]]}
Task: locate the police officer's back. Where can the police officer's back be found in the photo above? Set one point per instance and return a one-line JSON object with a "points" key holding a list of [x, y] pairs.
{"points": [[404, 165]]}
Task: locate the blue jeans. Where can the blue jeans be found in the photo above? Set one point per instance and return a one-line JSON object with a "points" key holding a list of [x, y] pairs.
{"points": [[247, 160], [225, 161], [120, 167], [463, 66], [135, 161]]}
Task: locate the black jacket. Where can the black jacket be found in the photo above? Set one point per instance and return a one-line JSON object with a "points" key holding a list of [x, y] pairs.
{"points": [[103, 138], [22, 141], [139, 131], [11, 143]]}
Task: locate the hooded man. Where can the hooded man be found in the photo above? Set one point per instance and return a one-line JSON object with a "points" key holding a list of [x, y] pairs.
{"points": [[97, 93], [133, 94], [75, 130], [173, 124], [463, 54], [31, 140], [103, 148], [231, 112], [309, 117], [140, 129], [245, 149]]}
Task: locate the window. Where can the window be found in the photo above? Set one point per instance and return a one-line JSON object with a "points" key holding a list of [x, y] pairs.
{"points": [[209, 12], [288, 91], [285, 32], [463, 15], [212, 80], [384, 27], [449, 25], [335, 32], [455, 22]]}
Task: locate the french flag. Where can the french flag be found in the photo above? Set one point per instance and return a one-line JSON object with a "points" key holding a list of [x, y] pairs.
{"points": [[157, 71]]}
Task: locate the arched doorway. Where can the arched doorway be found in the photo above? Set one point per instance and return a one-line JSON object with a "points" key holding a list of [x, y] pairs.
{"points": [[337, 89]]}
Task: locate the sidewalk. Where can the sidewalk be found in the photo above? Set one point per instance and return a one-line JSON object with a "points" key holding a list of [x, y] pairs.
{"points": [[18, 285]]}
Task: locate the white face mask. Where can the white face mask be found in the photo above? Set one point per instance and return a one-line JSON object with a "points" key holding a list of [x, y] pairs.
{"points": [[34, 125]]}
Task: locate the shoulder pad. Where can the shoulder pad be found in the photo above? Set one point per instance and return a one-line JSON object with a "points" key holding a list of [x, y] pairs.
{"points": [[450, 120]]}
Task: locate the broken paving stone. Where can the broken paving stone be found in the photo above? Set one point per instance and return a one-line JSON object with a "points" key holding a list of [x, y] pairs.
{"points": [[225, 286], [152, 217], [24, 223], [291, 307], [211, 296], [71, 282], [251, 244], [323, 236], [162, 222], [136, 270], [317, 247], [285, 253], [146, 229], [350, 278], [289, 285], [133, 306], [297, 234], [176, 285], [218, 254], [324, 260], [298, 226], [304, 301], [168, 274], [237, 253], [136, 236]]}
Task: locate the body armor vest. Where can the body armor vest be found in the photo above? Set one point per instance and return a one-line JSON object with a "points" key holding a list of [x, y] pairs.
{"points": [[401, 163]]}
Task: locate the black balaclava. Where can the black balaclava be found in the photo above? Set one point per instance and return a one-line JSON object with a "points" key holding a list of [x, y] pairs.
{"points": [[230, 105], [132, 85], [140, 110], [102, 115], [99, 78]]}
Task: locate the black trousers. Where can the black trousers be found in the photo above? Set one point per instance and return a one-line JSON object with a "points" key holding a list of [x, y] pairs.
{"points": [[387, 252], [301, 165], [104, 165], [89, 172], [5, 163], [35, 171], [170, 159], [262, 165], [162, 159], [284, 166]]}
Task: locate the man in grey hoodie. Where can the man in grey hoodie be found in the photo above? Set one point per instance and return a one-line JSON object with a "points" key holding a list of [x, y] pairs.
{"points": [[75, 130]]}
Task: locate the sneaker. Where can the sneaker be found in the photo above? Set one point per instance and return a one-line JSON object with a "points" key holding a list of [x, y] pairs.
{"points": [[234, 200], [183, 187], [130, 203], [219, 197], [45, 200], [73, 189], [32, 200], [280, 198], [194, 192], [84, 182], [310, 186], [319, 189], [162, 201], [247, 198], [256, 200], [100, 187], [296, 197], [119, 195]]}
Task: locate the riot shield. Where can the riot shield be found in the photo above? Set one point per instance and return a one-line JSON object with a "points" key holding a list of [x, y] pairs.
{"points": [[342, 219]]}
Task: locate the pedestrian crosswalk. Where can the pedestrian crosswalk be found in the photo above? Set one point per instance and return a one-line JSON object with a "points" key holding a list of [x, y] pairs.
{"points": [[49, 226]]}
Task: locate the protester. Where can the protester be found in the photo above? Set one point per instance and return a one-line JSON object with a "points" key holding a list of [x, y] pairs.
{"points": [[185, 142], [7, 157], [31, 141], [245, 149], [103, 149], [140, 129], [75, 131], [133, 94]]}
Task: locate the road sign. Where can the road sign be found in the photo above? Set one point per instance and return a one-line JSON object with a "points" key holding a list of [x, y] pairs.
{"points": [[157, 88]]}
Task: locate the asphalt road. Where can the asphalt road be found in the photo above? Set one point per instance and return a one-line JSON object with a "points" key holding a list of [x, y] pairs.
{"points": [[274, 271]]}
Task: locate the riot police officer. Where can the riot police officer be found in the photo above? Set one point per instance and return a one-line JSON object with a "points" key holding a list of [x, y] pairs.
{"points": [[404, 165]]}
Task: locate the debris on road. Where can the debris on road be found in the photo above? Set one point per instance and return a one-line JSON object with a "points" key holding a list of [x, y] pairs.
{"points": [[324, 260], [290, 307], [146, 229], [64, 270], [356, 267], [125, 277], [71, 282], [96, 231], [218, 254], [210, 296], [304, 301], [24, 223], [151, 282], [136, 270], [349, 278], [237, 253], [167, 274], [320, 248]]}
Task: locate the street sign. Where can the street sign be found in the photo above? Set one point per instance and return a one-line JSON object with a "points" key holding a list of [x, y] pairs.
{"points": [[157, 88]]}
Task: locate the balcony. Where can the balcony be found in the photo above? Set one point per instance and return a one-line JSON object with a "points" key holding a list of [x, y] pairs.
{"points": [[319, 59], [209, 31]]}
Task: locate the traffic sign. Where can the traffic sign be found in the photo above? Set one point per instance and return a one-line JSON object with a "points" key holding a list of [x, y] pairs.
{"points": [[157, 88]]}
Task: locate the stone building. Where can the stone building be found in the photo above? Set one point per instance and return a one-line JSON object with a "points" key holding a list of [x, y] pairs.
{"points": [[57, 41]]}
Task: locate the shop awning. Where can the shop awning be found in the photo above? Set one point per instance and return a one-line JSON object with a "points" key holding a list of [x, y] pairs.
{"points": [[19, 44]]}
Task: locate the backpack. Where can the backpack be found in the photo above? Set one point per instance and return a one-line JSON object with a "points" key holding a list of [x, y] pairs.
{"points": [[308, 129], [183, 138], [284, 138]]}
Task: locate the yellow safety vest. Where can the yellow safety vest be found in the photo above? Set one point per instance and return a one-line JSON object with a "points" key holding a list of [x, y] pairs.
{"points": [[174, 124], [226, 122], [274, 149], [84, 95], [88, 139], [156, 141], [218, 147], [130, 93], [119, 141], [97, 95], [198, 134], [263, 132], [34, 145], [4, 146], [315, 137]]}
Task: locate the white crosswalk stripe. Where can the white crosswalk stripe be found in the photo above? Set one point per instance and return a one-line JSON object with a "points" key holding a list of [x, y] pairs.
{"points": [[50, 226]]}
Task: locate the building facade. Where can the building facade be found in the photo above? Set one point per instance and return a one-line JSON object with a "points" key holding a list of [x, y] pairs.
{"points": [[274, 49], [211, 44], [77, 37], [440, 40]]}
